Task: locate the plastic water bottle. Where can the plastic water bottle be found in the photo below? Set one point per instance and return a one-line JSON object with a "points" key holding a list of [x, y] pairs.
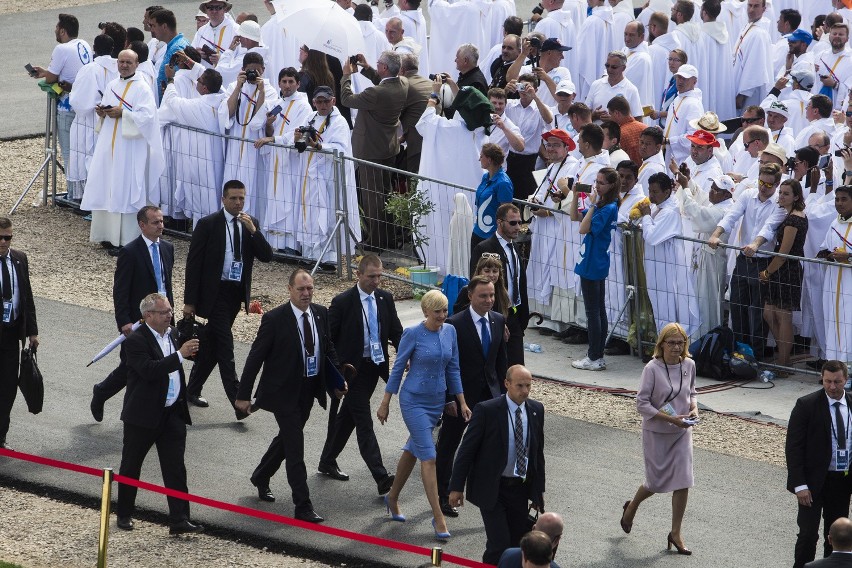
{"points": [[533, 348], [767, 376]]}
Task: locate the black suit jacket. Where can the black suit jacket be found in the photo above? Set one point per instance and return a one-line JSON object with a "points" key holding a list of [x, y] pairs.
{"points": [[148, 380], [491, 244], [207, 256], [483, 453], [26, 305], [278, 348], [346, 326], [134, 278], [478, 373], [836, 560], [808, 446]]}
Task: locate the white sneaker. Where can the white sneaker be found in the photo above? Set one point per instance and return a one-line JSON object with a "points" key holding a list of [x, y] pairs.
{"points": [[586, 364], [582, 363], [599, 365]]}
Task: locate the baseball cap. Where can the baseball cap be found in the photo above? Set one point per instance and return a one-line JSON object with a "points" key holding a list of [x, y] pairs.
{"points": [[702, 138], [687, 71], [803, 77], [323, 91], [800, 35], [779, 108], [724, 182], [551, 44], [566, 86], [775, 149], [562, 136]]}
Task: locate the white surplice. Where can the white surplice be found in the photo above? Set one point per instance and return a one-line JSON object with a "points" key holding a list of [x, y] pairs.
{"points": [[837, 295], [640, 72], [561, 25], [717, 75], [594, 41]]}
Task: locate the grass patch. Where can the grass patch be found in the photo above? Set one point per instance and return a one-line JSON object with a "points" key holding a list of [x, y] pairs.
{"points": [[9, 565]]}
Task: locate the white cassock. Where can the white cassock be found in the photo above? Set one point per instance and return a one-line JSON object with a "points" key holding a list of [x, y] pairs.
{"points": [[147, 72], [667, 269], [283, 48], [688, 35], [594, 41], [217, 39], [659, 51], [231, 63], [752, 62], [545, 234], [414, 26], [127, 162], [601, 92], [198, 159], [650, 166], [785, 139], [616, 282], [452, 25], [89, 86], [685, 107], [735, 18], [820, 212], [701, 174], [640, 72], [709, 267], [450, 153], [281, 220], [837, 295], [315, 186], [156, 51], [717, 75], [839, 65], [826, 125], [566, 305], [242, 161], [561, 25], [622, 14], [497, 12]]}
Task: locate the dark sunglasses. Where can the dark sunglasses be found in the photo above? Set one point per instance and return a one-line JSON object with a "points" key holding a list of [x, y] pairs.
{"points": [[848, 113], [5, 237], [215, 8], [513, 223], [750, 120]]}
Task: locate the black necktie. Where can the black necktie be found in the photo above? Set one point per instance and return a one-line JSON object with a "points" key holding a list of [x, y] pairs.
{"points": [[238, 250], [841, 429], [516, 289], [309, 333], [7, 279], [520, 445]]}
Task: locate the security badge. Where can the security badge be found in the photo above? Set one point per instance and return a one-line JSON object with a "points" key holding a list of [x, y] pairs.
{"points": [[7, 311], [376, 353], [311, 369], [842, 459], [235, 273]]}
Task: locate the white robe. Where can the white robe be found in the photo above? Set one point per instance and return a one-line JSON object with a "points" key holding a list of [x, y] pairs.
{"points": [[688, 35], [716, 75], [825, 125], [197, 158], [450, 153], [622, 14], [650, 166], [667, 269], [735, 18], [659, 51], [89, 86], [684, 108], [561, 25], [127, 162], [283, 48], [217, 39], [231, 63], [839, 65], [594, 41], [752, 62], [837, 296], [452, 25], [414, 26], [497, 12], [640, 72]]}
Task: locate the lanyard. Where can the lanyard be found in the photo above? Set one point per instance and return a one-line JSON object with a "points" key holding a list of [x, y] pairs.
{"points": [[550, 179], [848, 425], [367, 320], [671, 386]]}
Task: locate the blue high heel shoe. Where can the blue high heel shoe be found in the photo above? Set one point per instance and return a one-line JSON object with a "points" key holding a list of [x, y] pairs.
{"points": [[442, 536], [399, 518]]}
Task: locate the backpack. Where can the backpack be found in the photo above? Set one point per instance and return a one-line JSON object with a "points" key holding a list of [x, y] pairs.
{"points": [[710, 354]]}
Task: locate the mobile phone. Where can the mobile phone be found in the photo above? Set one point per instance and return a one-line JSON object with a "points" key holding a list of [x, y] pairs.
{"points": [[839, 153], [522, 87], [353, 60], [275, 111], [823, 161], [31, 70]]}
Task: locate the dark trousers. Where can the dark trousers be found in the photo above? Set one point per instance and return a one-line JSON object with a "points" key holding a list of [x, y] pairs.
{"points": [[831, 504], [170, 438], [218, 344], [10, 353], [594, 292], [519, 168], [515, 345], [506, 523], [289, 445], [374, 184], [355, 414], [449, 438], [747, 302]]}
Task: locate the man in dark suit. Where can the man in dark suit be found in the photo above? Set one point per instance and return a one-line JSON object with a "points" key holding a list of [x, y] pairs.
{"points": [[840, 537], [218, 280], [155, 411], [368, 312], [482, 361], [419, 89], [819, 440], [514, 276], [144, 266], [374, 138], [17, 321], [503, 466], [294, 348]]}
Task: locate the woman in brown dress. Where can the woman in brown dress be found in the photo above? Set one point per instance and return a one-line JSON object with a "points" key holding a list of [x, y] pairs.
{"points": [[666, 401]]}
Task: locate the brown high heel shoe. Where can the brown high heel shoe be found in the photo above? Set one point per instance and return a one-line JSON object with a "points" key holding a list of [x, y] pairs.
{"points": [[625, 526], [680, 549]]}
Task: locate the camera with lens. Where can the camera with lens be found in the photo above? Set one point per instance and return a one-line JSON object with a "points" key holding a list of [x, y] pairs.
{"points": [[437, 77], [790, 165], [252, 75], [308, 133], [535, 43], [538, 10]]}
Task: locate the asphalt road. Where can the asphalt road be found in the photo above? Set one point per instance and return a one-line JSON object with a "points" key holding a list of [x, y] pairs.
{"points": [[739, 513]]}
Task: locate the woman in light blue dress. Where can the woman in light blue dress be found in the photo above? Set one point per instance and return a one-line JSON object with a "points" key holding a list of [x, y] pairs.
{"points": [[430, 351]]}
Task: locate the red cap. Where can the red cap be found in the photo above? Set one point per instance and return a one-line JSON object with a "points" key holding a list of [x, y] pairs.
{"points": [[561, 135], [703, 138]]}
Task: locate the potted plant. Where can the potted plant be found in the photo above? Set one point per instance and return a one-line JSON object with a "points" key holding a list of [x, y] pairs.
{"points": [[407, 210]]}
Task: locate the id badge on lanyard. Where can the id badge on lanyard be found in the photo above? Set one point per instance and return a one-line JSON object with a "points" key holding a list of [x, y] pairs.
{"points": [[842, 459], [311, 366], [235, 273], [7, 311], [376, 352]]}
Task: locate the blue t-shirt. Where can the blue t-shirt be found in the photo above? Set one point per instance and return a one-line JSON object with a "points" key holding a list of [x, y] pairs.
{"points": [[491, 193], [595, 252], [178, 42]]}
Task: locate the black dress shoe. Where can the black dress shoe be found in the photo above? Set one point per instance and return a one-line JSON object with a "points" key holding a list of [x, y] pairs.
{"points": [[309, 516], [114, 251], [333, 472], [199, 401], [384, 484], [264, 493], [545, 330], [328, 267], [125, 523], [185, 527], [97, 405], [448, 509]]}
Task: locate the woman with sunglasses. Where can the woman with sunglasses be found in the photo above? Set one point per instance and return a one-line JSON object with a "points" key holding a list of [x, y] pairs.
{"points": [[666, 401], [807, 173]]}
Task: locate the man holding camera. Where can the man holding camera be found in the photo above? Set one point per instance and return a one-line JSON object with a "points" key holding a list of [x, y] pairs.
{"points": [[544, 60]]}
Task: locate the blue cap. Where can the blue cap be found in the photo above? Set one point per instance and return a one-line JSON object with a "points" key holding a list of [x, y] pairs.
{"points": [[800, 35]]}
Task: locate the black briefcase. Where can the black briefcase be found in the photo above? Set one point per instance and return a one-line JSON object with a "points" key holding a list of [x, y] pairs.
{"points": [[190, 328], [30, 381]]}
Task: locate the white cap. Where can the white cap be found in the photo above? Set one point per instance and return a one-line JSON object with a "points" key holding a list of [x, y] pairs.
{"points": [[687, 71], [567, 87], [249, 30], [724, 182]]}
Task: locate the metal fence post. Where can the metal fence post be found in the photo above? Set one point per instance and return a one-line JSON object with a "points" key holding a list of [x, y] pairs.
{"points": [[344, 247], [634, 254], [103, 535], [437, 555], [54, 135]]}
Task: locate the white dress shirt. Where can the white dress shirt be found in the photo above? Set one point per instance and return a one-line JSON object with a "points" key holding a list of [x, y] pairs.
{"points": [[168, 348]]}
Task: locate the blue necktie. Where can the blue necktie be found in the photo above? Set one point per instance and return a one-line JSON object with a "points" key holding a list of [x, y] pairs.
{"points": [[372, 320], [486, 335], [158, 269]]}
